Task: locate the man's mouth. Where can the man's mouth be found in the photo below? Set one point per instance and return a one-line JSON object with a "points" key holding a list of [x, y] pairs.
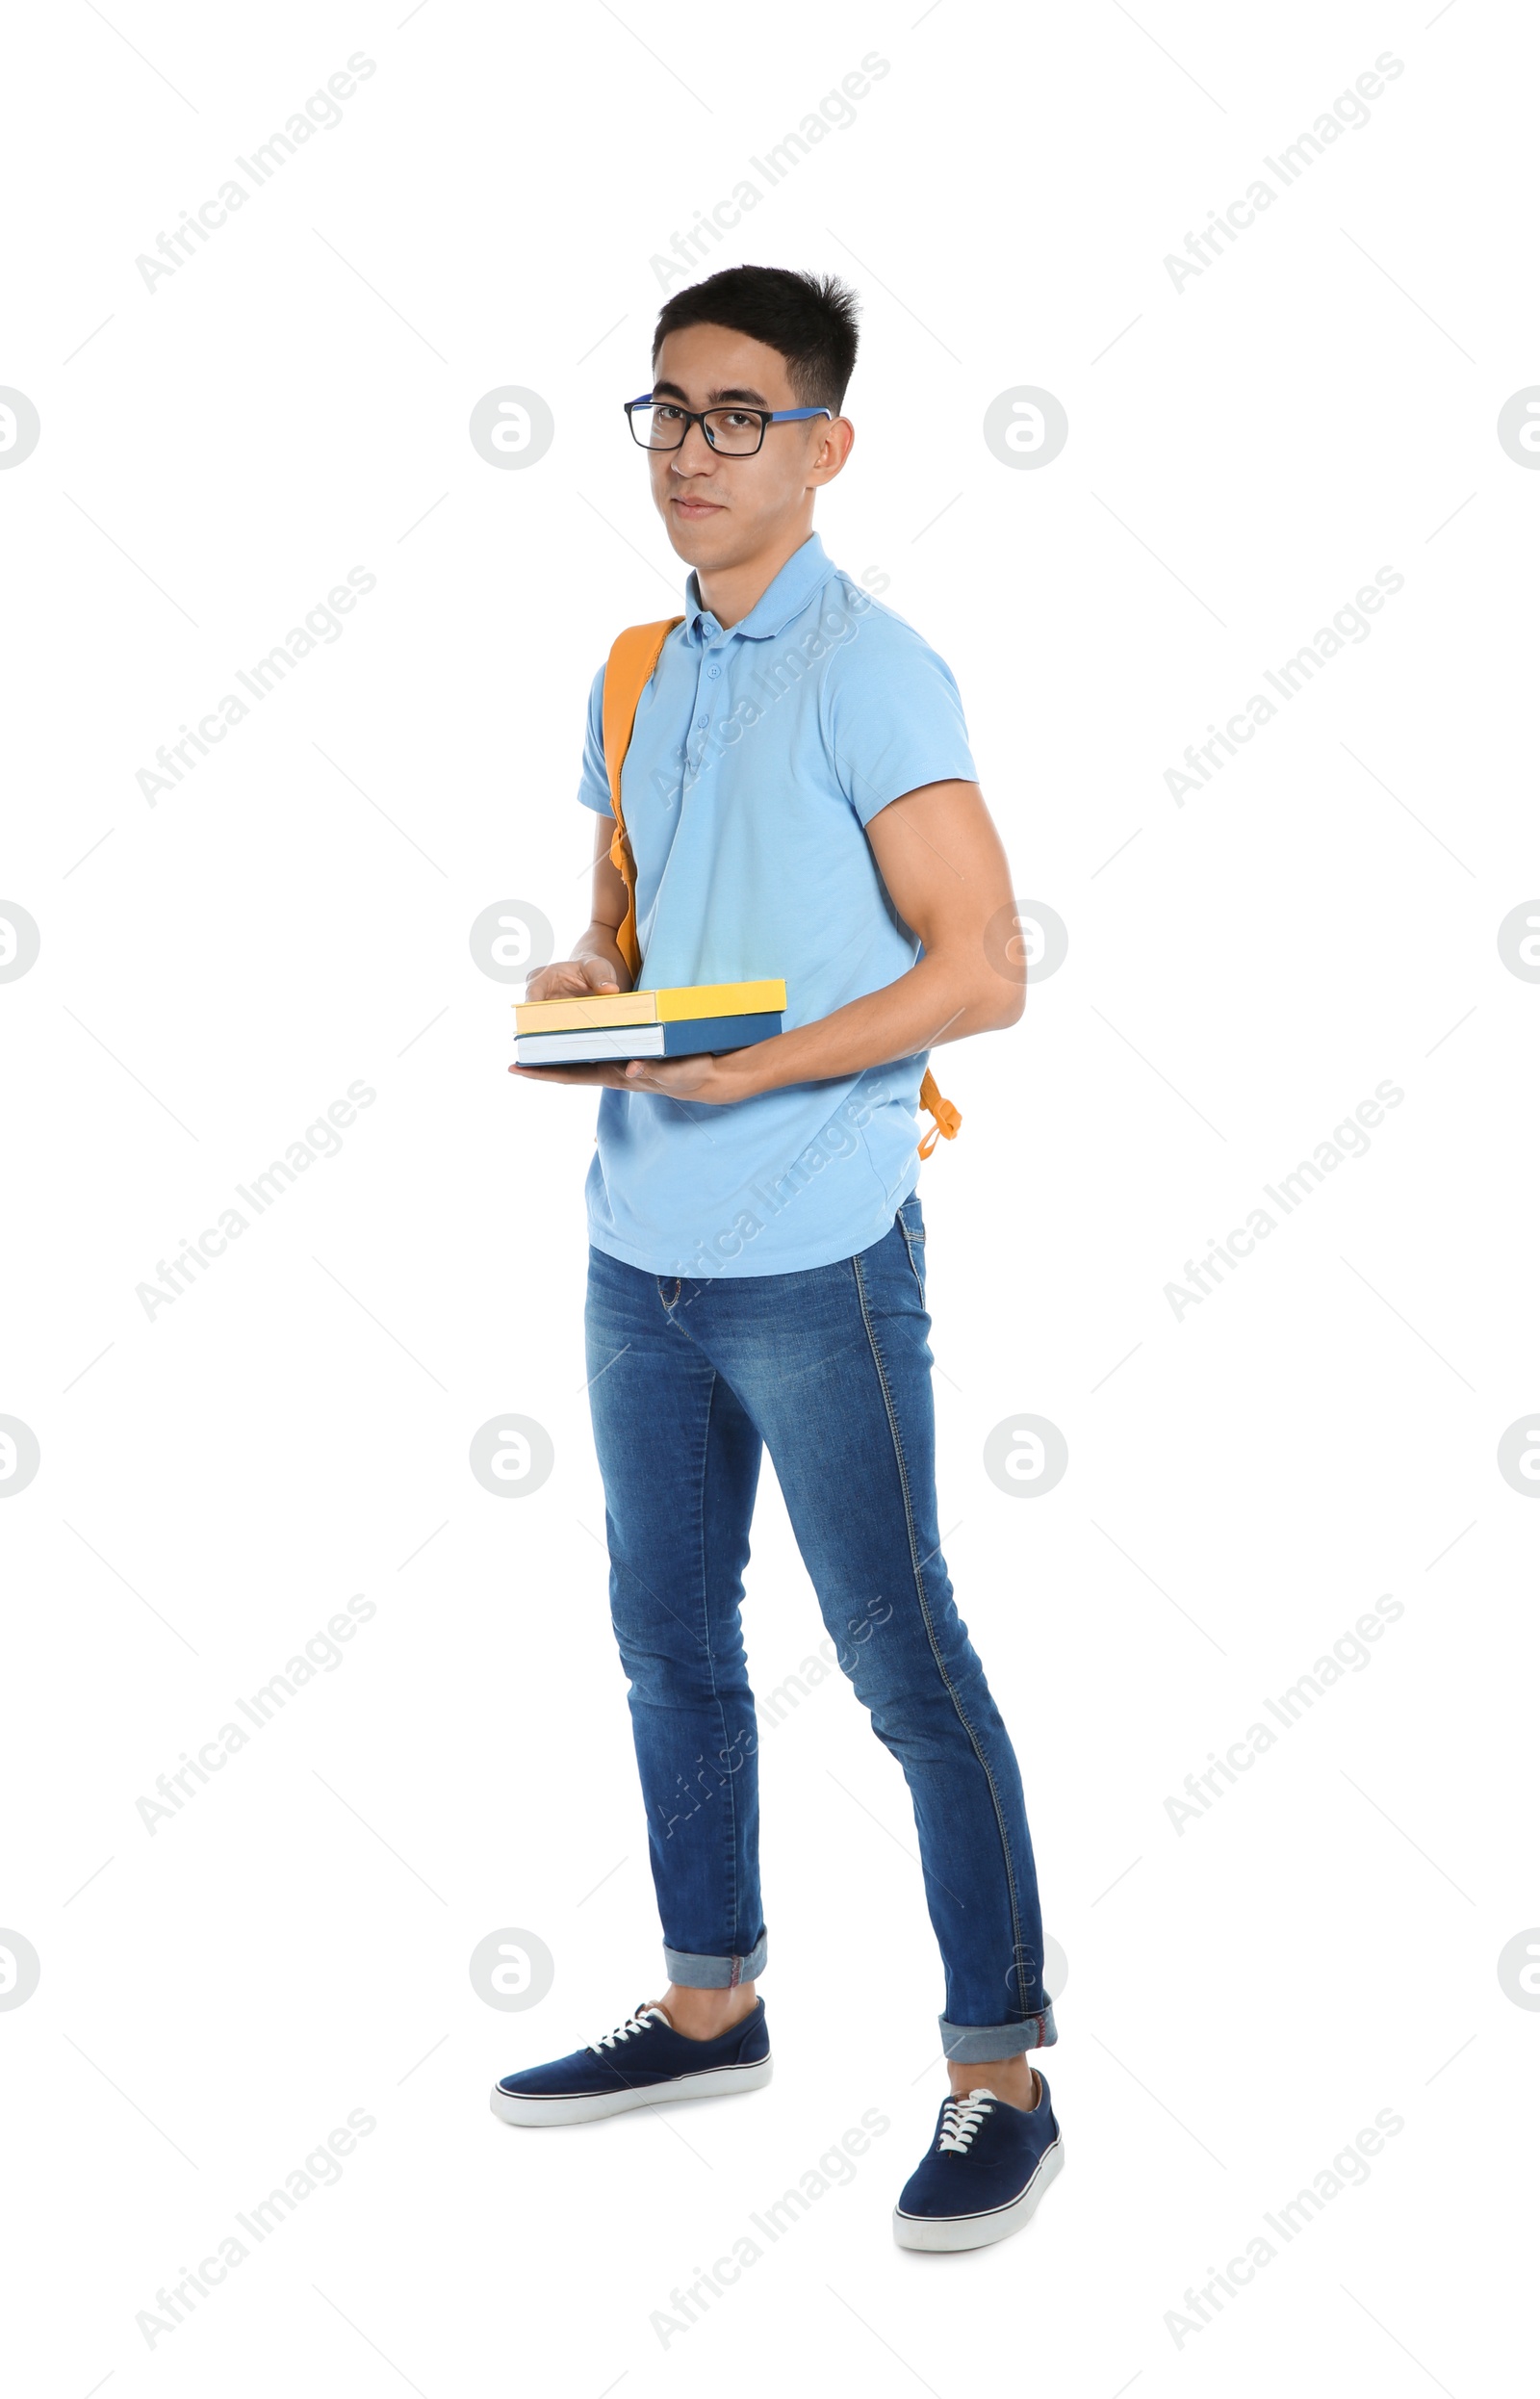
{"points": [[689, 505]]}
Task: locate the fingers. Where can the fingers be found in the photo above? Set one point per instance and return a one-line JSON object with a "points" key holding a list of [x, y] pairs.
{"points": [[558, 982], [588, 1074], [571, 978]]}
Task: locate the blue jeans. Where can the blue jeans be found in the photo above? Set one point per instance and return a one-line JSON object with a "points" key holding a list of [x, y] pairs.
{"points": [[830, 1369]]}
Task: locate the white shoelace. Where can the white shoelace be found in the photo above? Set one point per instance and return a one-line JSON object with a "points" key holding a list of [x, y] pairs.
{"points": [[640, 2019], [961, 2118]]}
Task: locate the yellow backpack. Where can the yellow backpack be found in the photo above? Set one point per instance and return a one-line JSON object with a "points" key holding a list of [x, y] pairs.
{"points": [[632, 657]]}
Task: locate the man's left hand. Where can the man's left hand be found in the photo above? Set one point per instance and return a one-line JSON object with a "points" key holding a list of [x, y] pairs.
{"points": [[705, 1080]]}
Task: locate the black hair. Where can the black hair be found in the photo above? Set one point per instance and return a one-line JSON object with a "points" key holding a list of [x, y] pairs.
{"points": [[811, 319]]}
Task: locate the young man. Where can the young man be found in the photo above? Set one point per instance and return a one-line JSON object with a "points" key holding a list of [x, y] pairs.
{"points": [[801, 802]]}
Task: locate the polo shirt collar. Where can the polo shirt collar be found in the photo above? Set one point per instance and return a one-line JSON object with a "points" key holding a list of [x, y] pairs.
{"points": [[803, 575]]}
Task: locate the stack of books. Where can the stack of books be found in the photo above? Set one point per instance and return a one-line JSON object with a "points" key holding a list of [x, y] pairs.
{"points": [[674, 1023]]}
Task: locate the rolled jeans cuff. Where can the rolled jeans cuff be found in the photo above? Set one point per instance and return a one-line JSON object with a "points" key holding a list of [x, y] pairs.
{"points": [[975, 2045], [719, 1973]]}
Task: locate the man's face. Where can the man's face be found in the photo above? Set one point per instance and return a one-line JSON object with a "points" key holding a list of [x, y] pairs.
{"points": [[722, 511]]}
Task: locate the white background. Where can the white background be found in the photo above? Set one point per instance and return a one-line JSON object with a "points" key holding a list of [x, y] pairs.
{"points": [[1243, 1479]]}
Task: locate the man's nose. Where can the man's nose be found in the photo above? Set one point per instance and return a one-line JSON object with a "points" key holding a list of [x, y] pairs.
{"points": [[695, 454]]}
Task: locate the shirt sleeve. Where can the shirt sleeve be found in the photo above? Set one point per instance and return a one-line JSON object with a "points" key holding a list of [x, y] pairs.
{"points": [[894, 716], [593, 784]]}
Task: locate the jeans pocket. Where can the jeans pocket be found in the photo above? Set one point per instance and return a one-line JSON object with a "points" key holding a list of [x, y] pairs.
{"points": [[912, 1225]]}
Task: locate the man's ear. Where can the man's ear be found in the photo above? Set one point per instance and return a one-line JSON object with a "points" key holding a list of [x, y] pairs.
{"points": [[834, 448]]}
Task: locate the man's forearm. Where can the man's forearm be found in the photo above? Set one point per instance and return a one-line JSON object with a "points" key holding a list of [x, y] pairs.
{"points": [[931, 1004]]}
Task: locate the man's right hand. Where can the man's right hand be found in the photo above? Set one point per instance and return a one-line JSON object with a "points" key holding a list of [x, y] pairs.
{"points": [[572, 978]]}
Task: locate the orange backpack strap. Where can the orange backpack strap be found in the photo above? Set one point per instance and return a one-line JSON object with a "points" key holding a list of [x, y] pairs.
{"points": [[947, 1116], [628, 671]]}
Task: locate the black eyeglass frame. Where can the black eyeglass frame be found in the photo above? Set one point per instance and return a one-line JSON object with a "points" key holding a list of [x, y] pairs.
{"points": [[699, 416]]}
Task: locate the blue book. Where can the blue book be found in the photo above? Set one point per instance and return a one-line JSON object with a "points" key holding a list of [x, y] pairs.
{"points": [[682, 1037]]}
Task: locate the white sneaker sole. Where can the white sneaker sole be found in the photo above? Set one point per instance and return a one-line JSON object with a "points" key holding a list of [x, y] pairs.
{"points": [[995, 2223], [713, 2082]]}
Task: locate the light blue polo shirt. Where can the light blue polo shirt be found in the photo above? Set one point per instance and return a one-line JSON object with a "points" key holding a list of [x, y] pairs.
{"points": [[760, 754]]}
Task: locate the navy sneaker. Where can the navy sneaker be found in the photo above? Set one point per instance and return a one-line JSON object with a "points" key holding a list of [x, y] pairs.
{"points": [[642, 2061], [984, 2174]]}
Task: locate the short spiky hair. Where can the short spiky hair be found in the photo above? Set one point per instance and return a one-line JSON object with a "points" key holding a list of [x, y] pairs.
{"points": [[810, 319]]}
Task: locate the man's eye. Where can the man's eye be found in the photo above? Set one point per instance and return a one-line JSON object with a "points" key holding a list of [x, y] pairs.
{"points": [[664, 412]]}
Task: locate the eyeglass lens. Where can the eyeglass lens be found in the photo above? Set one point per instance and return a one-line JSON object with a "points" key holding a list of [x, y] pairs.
{"points": [[735, 431]]}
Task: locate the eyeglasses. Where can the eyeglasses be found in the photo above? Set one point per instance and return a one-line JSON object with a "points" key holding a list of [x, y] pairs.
{"points": [[736, 432]]}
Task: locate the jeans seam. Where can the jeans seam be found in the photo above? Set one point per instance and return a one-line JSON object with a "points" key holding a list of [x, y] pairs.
{"points": [[730, 1815], [730, 1812], [925, 1613]]}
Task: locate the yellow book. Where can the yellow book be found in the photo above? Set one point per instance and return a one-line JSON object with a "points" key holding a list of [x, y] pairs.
{"points": [[718, 999], [571, 1015], [665, 1006]]}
